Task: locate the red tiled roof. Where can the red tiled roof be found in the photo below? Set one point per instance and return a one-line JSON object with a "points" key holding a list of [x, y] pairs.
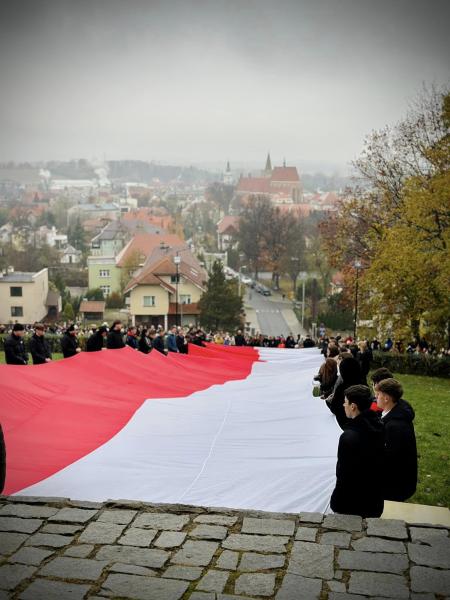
{"points": [[92, 306], [285, 174], [298, 209], [254, 185], [227, 222], [145, 243]]}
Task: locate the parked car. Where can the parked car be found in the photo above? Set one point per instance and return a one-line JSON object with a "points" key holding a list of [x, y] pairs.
{"points": [[246, 279]]}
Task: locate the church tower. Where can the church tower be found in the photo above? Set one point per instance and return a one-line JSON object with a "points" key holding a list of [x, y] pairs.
{"points": [[227, 176], [268, 170]]}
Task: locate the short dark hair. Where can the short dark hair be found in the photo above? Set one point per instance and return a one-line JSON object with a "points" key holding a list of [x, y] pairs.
{"points": [[332, 350], [381, 374], [392, 388], [40, 326], [359, 395], [18, 327]]}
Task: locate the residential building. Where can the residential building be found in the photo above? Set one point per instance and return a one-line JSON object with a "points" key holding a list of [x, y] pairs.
{"points": [[280, 184], [70, 256], [25, 297], [92, 310], [84, 212], [227, 231], [153, 292]]}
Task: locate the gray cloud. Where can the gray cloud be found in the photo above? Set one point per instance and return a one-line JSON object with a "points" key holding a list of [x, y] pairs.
{"points": [[195, 81]]}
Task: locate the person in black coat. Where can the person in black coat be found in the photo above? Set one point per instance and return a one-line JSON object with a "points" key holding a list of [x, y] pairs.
{"points": [[14, 347], [400, 450], [181, 341], [158, 342], [239, 339], [114, 341], [96, 341], [39, 347], [69, 343], [350, 374], [132, 338], [144, 342], [359, 467], [2, 460]]}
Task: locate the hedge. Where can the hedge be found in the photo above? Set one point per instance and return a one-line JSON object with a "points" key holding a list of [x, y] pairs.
{"points": [[413, 364]]}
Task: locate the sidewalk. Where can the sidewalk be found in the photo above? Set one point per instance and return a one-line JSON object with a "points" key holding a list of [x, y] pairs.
{"points": [[56, 549]]}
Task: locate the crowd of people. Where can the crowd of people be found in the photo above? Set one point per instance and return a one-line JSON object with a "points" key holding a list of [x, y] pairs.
{"points": [[377, 453]]}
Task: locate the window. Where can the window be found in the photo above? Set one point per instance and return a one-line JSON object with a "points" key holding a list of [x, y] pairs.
{"points": [[149, 301], [15, 291], [104, 273], [106, 289], [185, 299], [175, 279], [17, 311]]}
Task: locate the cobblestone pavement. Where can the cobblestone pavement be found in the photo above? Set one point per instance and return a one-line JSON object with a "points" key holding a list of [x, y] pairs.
{"points": [[55, 549]]}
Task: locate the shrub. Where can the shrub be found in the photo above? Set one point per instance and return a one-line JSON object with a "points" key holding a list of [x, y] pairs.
{"points": [[414, 364]]}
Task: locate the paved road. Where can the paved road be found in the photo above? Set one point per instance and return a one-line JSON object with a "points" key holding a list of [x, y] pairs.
{"points": [[268, 313]]}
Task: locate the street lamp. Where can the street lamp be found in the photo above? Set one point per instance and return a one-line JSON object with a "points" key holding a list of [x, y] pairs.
{"points": [[357, 264], [176, 260]]}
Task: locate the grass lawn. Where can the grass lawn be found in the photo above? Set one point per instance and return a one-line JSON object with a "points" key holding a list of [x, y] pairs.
{"points": [[430, 397]]}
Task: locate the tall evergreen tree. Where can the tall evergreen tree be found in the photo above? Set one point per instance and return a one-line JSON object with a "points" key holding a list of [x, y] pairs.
{"points": [[220, 305]]}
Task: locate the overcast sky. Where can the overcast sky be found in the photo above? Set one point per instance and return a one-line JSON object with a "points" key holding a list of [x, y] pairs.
{"points": [[198, 81]]}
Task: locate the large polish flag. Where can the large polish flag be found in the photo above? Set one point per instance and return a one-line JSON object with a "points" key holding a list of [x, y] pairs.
{"points": [[221, 426]]}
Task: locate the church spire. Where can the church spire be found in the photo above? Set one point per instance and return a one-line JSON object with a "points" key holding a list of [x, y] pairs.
{"points": [[268, 168]]}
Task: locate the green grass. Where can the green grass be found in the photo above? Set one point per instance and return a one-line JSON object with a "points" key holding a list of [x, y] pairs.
{"points": [[430, 398]]}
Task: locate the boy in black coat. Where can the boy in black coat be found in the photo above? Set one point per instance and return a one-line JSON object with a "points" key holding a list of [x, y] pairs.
{"points": [[400, 451], [358, 488], [39, 347], [14, 347]]}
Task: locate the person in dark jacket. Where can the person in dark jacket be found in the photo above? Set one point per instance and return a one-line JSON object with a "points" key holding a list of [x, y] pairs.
{"points": [[144, 342], [158, 342], [364, 356], [69, 343], [181, 341], [2, 460], [114, 341], [350, 374], [308, 342], [400, 449], [172, 340], [358, 489], [14, 347], [96, 341], [132, 339], [239, 339], [39, 347]]}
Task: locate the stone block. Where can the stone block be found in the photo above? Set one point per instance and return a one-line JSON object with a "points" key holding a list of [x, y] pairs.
{"points": [[186, 573], [379, 562], [311, 517], [256, 543], [61, 529], [209, 532], [312, 560], [340, 539], [306, 534], [255, 584], [170, 539], [12, 575], [382, 585], [374, 544], [73, 568], [130, 556], [437, 555], [49, 539], [195, 553], [79, 550], [161, 521], [132, 569], [119, 516], [216, 520], [101, 533], [30, 556], [9, 542], [144, 588], [228, 560], [137, 537], [73, 515], [344, 596], [46, 589], [27, 511], [389, 528], [296, 587], [213, 581], [268, 526], [336, 586], [427, 534], [343, 522], [202, 596], [17, 525], [252, 561], [435, 581]]}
